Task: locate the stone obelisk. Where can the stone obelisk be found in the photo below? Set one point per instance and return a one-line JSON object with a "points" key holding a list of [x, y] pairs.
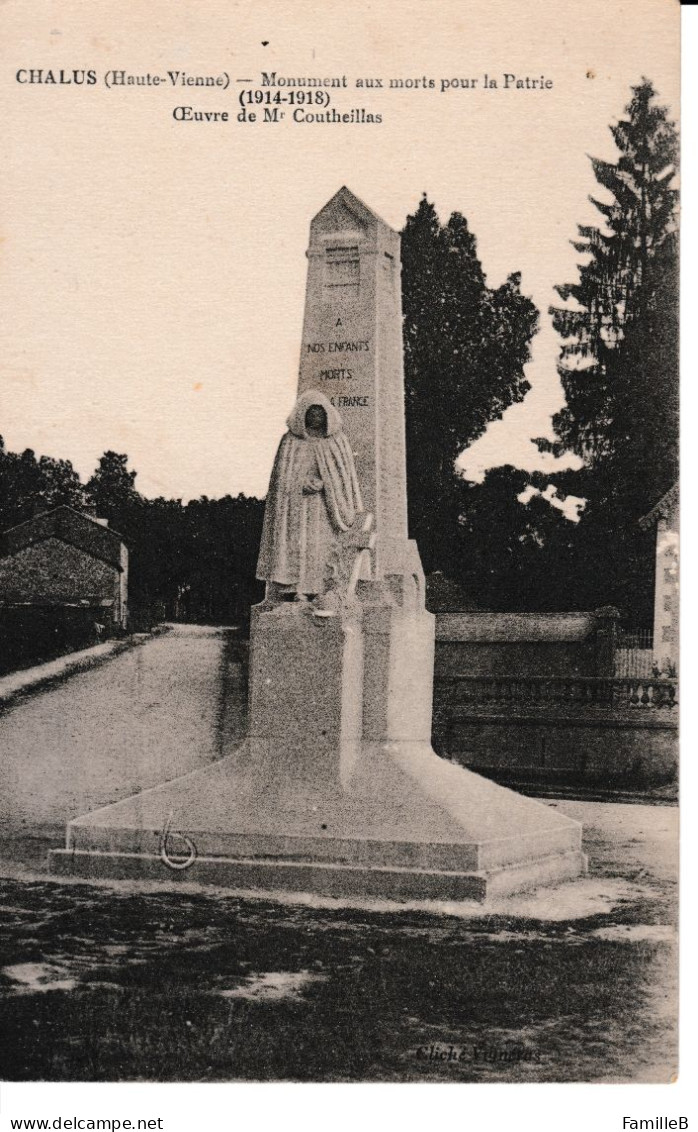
{"points": [[337, 789], [371, 666], [352, 351]]}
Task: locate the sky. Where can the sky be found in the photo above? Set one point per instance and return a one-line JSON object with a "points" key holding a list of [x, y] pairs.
{"points": [[153, 271]]}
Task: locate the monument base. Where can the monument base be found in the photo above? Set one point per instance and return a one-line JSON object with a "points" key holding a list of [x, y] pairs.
{"points": [[406, 825]]}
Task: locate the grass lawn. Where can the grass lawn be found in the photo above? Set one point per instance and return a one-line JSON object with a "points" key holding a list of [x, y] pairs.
{"points": [[117, 981]]}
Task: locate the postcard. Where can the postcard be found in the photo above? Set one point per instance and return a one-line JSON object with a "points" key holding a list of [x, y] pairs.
{"points": [[339, 657]]}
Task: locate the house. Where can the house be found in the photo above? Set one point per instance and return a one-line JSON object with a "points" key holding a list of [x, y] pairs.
{"points": [[664, 517], [65, 559]]}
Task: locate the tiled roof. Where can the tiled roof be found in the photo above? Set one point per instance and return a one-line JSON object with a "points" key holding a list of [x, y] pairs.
{"points": [[72, 527]]}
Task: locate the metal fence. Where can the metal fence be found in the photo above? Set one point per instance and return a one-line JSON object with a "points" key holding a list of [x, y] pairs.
{"points": [[559, 691], [634, 656]]}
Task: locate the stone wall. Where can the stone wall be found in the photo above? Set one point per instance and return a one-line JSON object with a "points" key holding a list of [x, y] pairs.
{"points": [[54, 599], [534, 644], [531, 697], [631, 749], [33, 634]]}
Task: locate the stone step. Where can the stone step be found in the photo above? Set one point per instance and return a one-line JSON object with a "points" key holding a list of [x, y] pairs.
{"points": [[405, 821], [322, 878], [372, 852]]}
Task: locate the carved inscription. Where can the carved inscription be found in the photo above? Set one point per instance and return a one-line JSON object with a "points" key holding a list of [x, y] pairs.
{"points": [[336, 374], [341, 346], [360, 346], [350, 402]]}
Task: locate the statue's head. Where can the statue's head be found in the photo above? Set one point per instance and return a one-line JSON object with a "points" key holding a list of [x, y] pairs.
{"points": [[316, 420], [314, 416]]}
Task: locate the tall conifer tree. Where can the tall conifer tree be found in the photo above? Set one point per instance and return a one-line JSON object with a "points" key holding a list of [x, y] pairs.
{"points": [[619, 361]]}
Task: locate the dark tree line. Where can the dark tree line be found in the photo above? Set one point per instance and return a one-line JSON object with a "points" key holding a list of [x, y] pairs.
{"points": [[619, 360], [27, 483], [193, 561]]}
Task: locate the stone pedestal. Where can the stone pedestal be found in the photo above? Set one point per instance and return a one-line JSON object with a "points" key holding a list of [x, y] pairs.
{"points": [[306, 676], [337, 790]]}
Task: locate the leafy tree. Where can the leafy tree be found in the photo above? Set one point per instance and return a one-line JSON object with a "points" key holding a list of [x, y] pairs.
{"points": [[111, 488], [20, 483], [223, 543], [61, 485], [516, 548], [28, 484], [465, 349]]}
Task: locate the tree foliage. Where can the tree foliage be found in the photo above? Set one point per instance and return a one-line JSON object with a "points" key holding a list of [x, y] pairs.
{"points": [[619, 360], [28, 484], [465, 347], [112, 487], [511, 537]]}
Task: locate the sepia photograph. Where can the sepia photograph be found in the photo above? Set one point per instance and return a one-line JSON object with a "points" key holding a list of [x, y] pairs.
{"points": [[339, 544]]}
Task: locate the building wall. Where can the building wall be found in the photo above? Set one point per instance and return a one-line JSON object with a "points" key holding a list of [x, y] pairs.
{"points": [[52, 572], [122, 614], [666, 592]]}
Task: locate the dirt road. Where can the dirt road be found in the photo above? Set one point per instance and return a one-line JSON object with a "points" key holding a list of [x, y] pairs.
{"points": [[152, 713]]}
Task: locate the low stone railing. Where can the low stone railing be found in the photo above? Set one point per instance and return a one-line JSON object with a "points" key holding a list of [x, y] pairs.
{"points": [[541, 691]]}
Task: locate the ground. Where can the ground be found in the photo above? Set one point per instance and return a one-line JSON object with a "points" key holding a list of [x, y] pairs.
{"points": [[147, 715], [116, 980]]}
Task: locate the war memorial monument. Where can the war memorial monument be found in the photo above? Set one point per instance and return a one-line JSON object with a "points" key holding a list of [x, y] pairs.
{"points": [[336, 789]]}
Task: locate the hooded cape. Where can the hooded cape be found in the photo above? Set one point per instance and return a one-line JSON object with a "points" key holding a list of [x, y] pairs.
{"points": [[299, 528]]}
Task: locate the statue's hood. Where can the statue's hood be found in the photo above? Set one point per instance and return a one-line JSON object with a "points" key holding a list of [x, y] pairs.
{"points": [[296, 421]]}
